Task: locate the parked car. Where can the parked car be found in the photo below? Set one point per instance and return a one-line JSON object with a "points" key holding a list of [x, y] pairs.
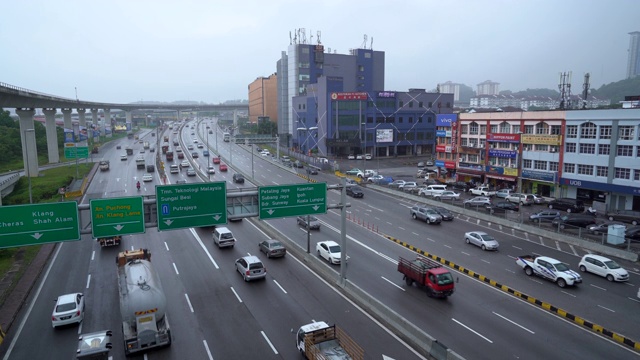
{"points": [[446, 214], [367, 156], [373, 179], [355, 191], [355, 171], [251, 268], [604, 267], [359, 157], [628, 216], [478, 201], [568, 205], [600, 228], [544, 216], [421, 164], [298, 164], [632, 233], [272, 248], [69, 309], [446, 195], [351, 157], [428, 215], [314, 223], [396, 183], [429, 163], [573, 221], [502, 206], [522, 199], [238, 178], [482, 240], [461, 186], [408, 186], [538, 199], [504, 193], [330, 251]]}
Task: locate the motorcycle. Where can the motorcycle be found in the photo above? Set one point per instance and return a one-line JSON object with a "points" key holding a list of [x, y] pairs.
{"points": [[138, 185], [591, 211]]}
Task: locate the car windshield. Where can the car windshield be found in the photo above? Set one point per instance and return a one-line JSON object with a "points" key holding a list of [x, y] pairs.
{"points": [[444, 279], [275, 244], [487, 238], [255, 266], [226, 236], [561, 267], [612, 264], [66, 307], [334, 249], [313, 218]]}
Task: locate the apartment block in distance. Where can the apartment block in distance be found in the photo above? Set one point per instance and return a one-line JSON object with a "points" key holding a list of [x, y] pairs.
{"points": [[263, 99]]}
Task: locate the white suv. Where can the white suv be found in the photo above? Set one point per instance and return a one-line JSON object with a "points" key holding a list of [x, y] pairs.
{"points": [[604, 267], [522, 199]]}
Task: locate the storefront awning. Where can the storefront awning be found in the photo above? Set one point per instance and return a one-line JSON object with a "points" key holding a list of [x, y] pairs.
{"points": [[469, 173], [501, 177]]}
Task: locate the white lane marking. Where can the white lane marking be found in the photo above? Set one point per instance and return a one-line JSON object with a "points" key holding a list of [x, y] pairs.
{"points": [[558, 245], [483, 260], [573, 249], [636, 300], [204, 248], [391, 282], [566, 293], [473, 331], [269, 342], [600, 306], [131, 247], [519, 248], [598, 287], [93, 255], [206, 347], [513, 322], [430, 239], [166, 246], [236, 294], [465, 253], [416, 234], [401, 228], [389, 223], [88, 280], [511, 271], [188, 302], [176, 269], [447, 246], [281, 288], [80, 328]]}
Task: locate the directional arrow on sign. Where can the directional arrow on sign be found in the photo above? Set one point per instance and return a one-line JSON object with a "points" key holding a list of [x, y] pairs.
{"points": [[168, 222], [316, 207], [217, 217], [118, 227], [37, 235], [271, 211]]}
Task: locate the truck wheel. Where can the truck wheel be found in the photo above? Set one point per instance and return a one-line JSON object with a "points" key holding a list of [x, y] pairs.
{"points": [[550, 206], [561, 283], [429, 292], [528, 270], [408, 281], [634, 222]]}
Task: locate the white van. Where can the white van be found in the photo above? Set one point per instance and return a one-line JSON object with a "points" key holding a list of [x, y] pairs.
{"points": [[223, 237], [432, 189]]}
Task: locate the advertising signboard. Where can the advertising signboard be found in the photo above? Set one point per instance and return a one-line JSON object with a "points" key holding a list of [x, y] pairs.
{"points": [[445, 119], [510, 138], [505, 154], [384, 135], [349, 96]]}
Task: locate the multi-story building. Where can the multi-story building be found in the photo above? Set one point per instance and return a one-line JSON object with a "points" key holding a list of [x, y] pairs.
{"points": [[380, 123], [450, 88], [446, 144], [304, 64], [263, 97], [633, 62], [488, 87], [494, 101], [593, 155]]}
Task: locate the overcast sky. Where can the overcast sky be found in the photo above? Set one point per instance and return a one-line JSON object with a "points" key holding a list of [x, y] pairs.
{"points": [[123, 51]]}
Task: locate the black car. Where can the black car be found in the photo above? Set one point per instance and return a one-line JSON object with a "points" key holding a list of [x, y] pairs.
{"points": [[574, 221], [600, 228], [355, 191], [568, 205], [633, 233], [238, 178], [312, 171], [446, 214], [461, 186], [502, 206]]}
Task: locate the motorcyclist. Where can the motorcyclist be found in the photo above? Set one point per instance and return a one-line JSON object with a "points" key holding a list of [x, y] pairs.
{"points": [[138, 185]]}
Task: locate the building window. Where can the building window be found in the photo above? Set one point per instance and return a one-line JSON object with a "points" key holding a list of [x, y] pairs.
{"points": [[572, 131], [463, 142], [473, 128], [526, 164], [602, 171], [401, 103], [420, 119], [464, 129], [585, 169], [420, 104], [622, 173], [626, 133], [555, 129], [410, 104], [494, 129], [528, 129], [625, 150], [553, 166], [389, 120], [400, 120], [542, 147], [570, 147], [542, 129], [569, 168], [604, 149], [605, 132], [636, 175], [527, 147], [588, 130], [360, 67], [505, 128], [483, 129], [587, 148], [540, 165]]}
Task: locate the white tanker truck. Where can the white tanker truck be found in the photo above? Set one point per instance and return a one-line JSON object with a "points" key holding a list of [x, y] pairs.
{"points": [[142, 303]]}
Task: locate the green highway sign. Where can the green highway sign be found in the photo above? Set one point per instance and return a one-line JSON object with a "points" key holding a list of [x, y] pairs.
{"points": [[189, 205], [38, 223], [292, 200], [117, 216], [72, 152]]}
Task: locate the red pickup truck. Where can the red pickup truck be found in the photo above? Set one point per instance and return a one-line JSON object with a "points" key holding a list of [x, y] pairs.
{"points": [[427, 273]]}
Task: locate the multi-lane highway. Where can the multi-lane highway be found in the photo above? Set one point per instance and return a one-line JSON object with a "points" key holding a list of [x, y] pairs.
{"points": [[215, 315]]}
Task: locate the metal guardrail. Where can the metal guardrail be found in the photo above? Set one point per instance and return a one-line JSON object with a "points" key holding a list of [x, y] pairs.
{"points": [[17, 88]]}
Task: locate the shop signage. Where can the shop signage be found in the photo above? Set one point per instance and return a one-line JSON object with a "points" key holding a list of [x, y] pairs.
{"points": [[464, 165], [440, 148], [510, 171], [441, 133], [541, 139], [611, 188], [349, 96], [494, 170], [448, 148], [445, 119], [449, 165], [386, 94], [505, 154], [510, 138], [540, 175], [343, 142]]}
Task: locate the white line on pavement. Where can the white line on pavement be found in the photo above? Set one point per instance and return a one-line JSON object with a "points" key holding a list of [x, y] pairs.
{"points": [[473, 331], [188, 302], [93, 255], [269, 342], [203, 247], [167, 246], [513, 322], [236, 294], [206, 347], [88, 280], [176, 269], [391, 282], [281, 288]]}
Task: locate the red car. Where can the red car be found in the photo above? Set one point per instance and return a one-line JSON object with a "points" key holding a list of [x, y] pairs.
{"points": [[223, 167], [216, 160]]}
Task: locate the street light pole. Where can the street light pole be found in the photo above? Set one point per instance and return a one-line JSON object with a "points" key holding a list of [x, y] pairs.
{"points": [[520, 158]]}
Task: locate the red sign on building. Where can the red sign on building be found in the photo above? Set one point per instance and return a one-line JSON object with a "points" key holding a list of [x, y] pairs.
{"points": [[349, 96], [504, 137], [441, 148]]}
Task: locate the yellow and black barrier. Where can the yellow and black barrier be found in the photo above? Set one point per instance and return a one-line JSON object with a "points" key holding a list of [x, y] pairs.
{"points": [[530, 299], [306, 177]]}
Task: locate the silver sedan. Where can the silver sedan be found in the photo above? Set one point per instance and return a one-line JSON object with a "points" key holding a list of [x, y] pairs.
{"points": [[478, 201], [481, 239]]}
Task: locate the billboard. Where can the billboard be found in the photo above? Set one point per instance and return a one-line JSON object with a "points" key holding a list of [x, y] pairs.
{"points": [[384, 135], [446, 119], [349, 96]]}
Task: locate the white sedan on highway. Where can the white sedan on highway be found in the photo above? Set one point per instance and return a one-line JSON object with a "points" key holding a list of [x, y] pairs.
{"points": [[330, 251], [147, 177]]}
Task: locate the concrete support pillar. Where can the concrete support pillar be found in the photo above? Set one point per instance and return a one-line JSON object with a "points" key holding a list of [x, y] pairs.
{"points": [[52, 135], [83, 120], [127, 115], [66, 114], [94, 118], [107, 120], [28, 140]]}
